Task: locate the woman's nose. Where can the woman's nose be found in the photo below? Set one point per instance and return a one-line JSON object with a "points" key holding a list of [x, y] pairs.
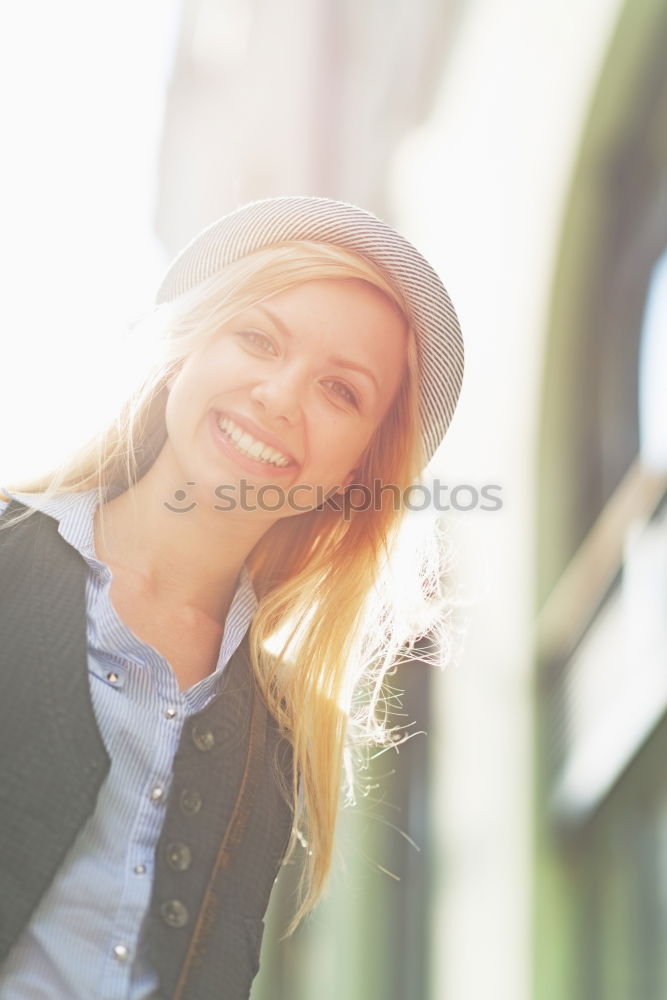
{"points": [[280, 396]]}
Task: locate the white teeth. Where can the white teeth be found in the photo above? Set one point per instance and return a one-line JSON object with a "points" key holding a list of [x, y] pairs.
{"points": [[247, 445], [246, 442]]}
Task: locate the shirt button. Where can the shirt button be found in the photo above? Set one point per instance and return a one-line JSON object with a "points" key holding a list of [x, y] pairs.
{"points": [[190, 801], [179, 856], [174, 913], [170, 713], [121, 952], [203, 738], [157, 793], [112, 677], [140, 869]]}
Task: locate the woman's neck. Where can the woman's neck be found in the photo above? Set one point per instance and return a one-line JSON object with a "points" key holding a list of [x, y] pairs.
{"points": [[181, 550]]}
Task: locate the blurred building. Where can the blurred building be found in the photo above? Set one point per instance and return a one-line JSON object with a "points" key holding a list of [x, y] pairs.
{"points": [[601, 586], [518, 850]]}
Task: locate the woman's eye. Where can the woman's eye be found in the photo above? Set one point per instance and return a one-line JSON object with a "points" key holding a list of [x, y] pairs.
{"points": [[256, 338], [260, 341], [346, 393]]}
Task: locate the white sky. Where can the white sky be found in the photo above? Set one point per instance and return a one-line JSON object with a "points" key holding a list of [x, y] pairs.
{"points": [[84, 87]]}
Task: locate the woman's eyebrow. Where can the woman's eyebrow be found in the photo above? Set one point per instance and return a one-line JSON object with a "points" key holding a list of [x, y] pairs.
{"points": [[333, 360]]}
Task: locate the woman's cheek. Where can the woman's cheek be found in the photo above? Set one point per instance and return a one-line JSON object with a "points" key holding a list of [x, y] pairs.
{"points": [[229, 365]]}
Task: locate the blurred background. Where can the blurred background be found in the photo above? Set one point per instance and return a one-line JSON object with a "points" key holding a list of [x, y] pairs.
{"points": [[516, 847]]}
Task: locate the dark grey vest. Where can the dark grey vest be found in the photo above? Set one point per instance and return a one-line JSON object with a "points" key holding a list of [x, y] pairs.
{"points": [[226, 826]]}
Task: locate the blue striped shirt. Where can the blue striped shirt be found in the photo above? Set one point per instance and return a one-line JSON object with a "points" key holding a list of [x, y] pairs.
{"points": [[84, 939]]}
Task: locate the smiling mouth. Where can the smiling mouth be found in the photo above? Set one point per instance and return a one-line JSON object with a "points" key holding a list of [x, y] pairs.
{"points": [[247, 445]]}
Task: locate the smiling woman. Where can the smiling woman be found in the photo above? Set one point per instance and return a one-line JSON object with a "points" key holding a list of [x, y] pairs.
{"points": [[224, 663]]}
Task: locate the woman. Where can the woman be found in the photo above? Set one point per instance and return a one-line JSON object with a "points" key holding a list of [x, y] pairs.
{"points": [[200, 608]]}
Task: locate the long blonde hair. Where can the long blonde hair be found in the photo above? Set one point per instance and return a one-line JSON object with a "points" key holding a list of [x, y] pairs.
{"points": [[347, 594]]}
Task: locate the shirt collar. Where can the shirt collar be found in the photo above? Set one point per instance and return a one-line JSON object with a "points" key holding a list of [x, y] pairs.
{"points": [[73, 513]]}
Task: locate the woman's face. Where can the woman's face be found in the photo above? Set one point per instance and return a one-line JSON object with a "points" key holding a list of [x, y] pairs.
{"points": [[310, 372]]}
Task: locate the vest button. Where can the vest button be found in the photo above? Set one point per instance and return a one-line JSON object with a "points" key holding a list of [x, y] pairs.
{"points": [[179, 856], [174, 913], [203, 738], [190, 801]]}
